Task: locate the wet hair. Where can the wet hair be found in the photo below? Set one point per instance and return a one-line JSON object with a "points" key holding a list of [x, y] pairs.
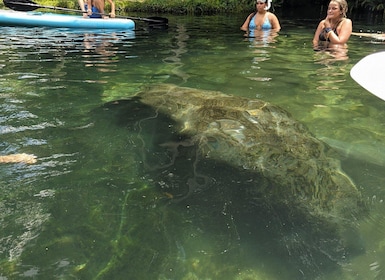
{"points": [[343, 6]]}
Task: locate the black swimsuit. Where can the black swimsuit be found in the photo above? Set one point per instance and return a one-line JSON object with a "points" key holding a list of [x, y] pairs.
{"points": [[323, 34]]}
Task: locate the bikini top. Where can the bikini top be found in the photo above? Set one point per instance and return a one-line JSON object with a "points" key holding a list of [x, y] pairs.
{"points": [[266, 24]]}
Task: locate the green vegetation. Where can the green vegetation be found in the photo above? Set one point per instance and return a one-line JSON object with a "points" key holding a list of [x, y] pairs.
{"points": [[172, 6], [373, 5], [182, 7], [191, 6]]}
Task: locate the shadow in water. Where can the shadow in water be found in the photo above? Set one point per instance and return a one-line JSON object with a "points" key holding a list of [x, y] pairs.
{"points": [[227, 222]]}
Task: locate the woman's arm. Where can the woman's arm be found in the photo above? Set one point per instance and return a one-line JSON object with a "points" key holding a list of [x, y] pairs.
{"points": [[317, 33], [344, 33], [245, 25], [274, 22]]}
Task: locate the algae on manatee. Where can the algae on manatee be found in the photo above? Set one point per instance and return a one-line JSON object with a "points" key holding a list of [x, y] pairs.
{"points": [[255, 136]]}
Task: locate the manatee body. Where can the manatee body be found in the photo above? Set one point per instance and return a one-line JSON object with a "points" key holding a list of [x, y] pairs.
{"points": [[253, 135]]}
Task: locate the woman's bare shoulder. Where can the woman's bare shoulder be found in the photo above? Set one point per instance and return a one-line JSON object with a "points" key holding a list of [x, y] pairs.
{"points": [[347, 20], [345, 23]]}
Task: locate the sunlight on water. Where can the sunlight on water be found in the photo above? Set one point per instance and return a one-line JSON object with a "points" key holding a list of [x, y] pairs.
{"points": [[121, 189]]}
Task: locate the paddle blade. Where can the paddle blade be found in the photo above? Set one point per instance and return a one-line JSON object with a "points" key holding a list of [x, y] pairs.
{"points": [[369, 73], [21, 5]]}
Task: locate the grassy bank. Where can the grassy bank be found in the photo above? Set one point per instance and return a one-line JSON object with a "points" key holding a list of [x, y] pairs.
{"points": [[189, 6]]}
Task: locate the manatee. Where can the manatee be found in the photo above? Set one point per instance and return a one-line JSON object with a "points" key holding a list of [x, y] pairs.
{"points": [[259, 146], [371, 153], [261, 138]]}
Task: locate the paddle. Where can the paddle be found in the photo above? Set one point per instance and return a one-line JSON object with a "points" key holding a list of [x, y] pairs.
{"points": [[28, 5], [369, 73]]}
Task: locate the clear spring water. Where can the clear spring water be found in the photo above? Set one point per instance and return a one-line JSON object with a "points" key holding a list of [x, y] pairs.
{"points": [[90, 208]]}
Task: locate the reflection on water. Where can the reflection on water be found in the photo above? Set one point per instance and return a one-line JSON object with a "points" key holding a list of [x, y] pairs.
{"points": [[100, 51], [116, 189], [336, 52], [178, 51], [332, 74], [262, 38], [260, 42]]}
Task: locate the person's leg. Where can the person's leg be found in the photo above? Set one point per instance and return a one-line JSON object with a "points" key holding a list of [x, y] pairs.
{"points": [[83, 8], [81, 5], [97, 9], [99, 4]]}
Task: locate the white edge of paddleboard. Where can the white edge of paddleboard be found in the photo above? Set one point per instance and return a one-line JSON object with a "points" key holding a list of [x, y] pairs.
{"points": [[369, 73]]}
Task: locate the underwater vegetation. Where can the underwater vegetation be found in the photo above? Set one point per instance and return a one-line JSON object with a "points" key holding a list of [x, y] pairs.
{"points": [[204, 186]]}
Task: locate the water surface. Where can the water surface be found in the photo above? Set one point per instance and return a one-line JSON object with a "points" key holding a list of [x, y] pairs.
{"points": [[96, 205]]}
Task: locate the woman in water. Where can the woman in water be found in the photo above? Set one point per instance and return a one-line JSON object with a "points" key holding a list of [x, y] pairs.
{"points": [[261, 19], [334, 31]]}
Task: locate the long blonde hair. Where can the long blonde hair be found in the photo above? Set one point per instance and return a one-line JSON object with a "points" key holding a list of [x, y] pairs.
{"points": [[343, 6]]}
